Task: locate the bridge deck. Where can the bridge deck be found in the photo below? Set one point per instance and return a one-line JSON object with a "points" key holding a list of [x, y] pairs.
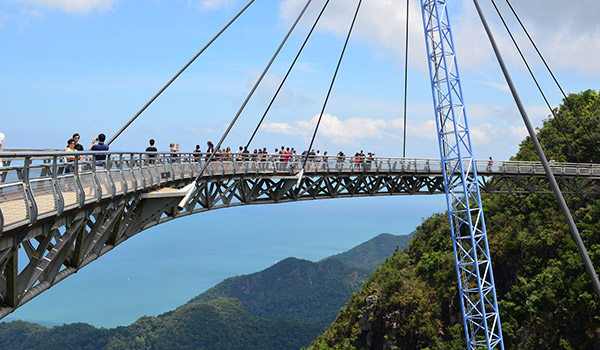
{"points": [[37, 186]]}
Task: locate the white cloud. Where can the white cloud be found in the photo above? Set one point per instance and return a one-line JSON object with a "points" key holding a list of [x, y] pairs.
{"points": [[346, 132], [426, 130], [210, 5], [72, 6], [500, 86], [352, 130], [519, 131], [355, 130], [380, 23], [306, 67], [280, 128], [480, 134], [565, 33]]}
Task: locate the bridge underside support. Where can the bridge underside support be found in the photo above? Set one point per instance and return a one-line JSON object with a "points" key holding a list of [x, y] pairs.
{"points": [[55, 251]]}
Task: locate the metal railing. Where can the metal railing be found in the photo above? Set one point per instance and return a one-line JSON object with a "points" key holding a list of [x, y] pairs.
{"points": [[36, 185]]}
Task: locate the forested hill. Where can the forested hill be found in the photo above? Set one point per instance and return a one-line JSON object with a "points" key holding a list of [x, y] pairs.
{"points": [[217, 324], [372, 253], [293, 290], [282, 307], [302, 290], [545, 297]]}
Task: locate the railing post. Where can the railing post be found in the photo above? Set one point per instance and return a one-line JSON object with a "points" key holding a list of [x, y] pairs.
{"points": [[123, 180], [173, 167], [108, 165], [31, 205], [140, 165], [60, 200], [131, 168], [151, 167], [96, 180], [78, 185], [180, 165]]}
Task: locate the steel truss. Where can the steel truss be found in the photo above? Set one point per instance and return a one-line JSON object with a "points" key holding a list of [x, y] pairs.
{"points": [[477, 291], [59, 246]]}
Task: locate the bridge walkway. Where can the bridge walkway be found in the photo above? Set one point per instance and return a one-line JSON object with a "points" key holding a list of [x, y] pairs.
{"points": [[40, 185]]}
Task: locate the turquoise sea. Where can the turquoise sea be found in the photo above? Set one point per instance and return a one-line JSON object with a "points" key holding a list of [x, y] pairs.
{"points": [[163, 267]]}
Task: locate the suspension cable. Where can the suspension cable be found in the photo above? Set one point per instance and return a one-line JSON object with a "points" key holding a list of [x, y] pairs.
{"points": [[331, 85], [549, 174], [556, 117], [211, 156], [287, 74], [567, 99], [177, 75], [405, 77]]}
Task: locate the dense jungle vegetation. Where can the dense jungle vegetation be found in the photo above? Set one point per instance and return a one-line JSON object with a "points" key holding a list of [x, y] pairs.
{"points": [[545, 296]]}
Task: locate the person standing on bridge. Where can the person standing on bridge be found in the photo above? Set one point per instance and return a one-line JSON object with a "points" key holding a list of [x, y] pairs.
{"points": [[174, 150], [325, 161], [246, 154], [341, 158], [71, 159], [78, 146], [151, 148], [100, 146], [210, 148], [369, 160], [197, 154], [239, 155]]}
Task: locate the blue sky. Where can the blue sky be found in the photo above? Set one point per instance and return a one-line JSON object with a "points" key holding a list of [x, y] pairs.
{"points": [[87, 66]]}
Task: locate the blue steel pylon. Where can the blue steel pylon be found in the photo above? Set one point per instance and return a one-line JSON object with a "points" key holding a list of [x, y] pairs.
{"points": [[469, 238]]}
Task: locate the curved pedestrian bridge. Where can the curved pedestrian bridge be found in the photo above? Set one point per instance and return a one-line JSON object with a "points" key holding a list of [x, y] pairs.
{"points": [[35, 186], [57, 216]]}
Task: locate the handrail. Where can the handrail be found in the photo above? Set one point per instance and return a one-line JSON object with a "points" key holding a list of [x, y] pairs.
{"points": [[35, 154], [36, 185]]}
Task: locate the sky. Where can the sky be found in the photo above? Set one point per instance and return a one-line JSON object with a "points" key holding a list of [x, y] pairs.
{"points": [[88, 66]]}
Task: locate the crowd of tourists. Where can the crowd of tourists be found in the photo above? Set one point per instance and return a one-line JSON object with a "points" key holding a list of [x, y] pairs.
{"points": [[281, 155], [285, 155]]}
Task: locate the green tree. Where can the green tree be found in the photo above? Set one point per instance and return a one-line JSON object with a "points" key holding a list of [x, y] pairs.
{"points": [[545, 297]]}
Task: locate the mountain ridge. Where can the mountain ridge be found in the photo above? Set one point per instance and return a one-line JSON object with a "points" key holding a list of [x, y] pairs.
{"points": [[281, 307]]}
